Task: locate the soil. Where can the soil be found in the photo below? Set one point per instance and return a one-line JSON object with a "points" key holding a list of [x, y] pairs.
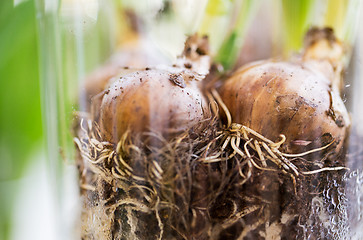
{"points": [[168, 192]]}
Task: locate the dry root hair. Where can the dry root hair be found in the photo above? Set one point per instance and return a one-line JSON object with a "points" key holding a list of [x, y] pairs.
{"points": [[181, 182]]}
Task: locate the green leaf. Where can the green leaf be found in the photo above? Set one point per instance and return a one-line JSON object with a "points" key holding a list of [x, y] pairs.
{"points": [[232, 44], [297, 17], [218, 7], [343, 16], [20, 116]]}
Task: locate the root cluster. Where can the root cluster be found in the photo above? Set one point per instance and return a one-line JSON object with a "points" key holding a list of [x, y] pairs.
{"points": [[219, 183]]}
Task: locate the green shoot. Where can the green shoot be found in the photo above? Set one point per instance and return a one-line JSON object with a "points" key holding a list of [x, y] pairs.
{"points": [[342, 16], [230, 48], [226, 22], [297, 16]]}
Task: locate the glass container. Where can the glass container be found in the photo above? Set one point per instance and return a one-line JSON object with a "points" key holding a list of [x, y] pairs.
{"points": [[182, 119]]}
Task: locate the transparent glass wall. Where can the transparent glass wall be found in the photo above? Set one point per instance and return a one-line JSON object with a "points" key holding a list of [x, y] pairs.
{"points": [[178, 119]]}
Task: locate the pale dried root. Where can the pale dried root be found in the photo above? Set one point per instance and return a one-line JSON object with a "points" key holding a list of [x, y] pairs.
{"points": [[266, 149], [159, 175], [155, 185]]}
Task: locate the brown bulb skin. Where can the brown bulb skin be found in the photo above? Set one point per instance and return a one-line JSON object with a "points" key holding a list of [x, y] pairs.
{"points": [[293, 99], [154, 100]]}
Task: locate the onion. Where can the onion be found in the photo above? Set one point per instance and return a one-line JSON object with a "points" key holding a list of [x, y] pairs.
{"points": [[299, 99]]}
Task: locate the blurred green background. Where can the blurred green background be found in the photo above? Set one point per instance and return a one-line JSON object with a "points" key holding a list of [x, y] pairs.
{"points": [[20, 111]]}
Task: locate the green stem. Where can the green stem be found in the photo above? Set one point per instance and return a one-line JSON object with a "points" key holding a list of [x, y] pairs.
{"points": [[297, 18], [230, 49], [299, 15], [342, 16], [226, 22]]}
